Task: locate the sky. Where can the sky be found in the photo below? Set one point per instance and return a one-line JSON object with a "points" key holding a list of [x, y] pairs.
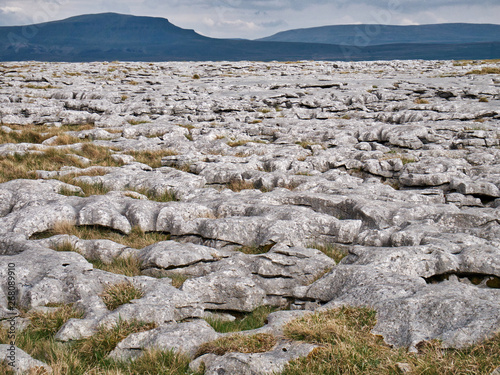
{"points": [[259, 18]]}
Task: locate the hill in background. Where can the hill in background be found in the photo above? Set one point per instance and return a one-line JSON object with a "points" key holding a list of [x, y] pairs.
{"points": [[111, 36], [371, 35]]}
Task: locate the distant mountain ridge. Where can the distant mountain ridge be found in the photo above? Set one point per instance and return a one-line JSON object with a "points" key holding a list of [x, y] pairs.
{"points": [[371, 35], [111, 36]]}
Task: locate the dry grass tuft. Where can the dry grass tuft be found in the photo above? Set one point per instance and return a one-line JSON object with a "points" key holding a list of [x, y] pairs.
{"points": [[485, 70], [305, 144], [119, 294], [154, 362], [152, 158], [177, 279], [65, 246], [19, 166], [259, 343], [334, 252], [239, 185], [46, 324], [348, 347], [38, 133], [237, 143], [254, 249], [97, 347], [166, 196], [421, 101], [89, 189], [129, 266], [24, 166], [65, 139], [137, 238]]}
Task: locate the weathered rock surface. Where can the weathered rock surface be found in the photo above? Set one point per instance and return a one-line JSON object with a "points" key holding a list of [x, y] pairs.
{"points": [[249, 169], [183, 337], [22, 362], [270, 362]]}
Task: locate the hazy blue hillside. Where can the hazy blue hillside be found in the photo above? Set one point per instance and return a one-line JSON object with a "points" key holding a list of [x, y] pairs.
{"points": [[456, 33], [110, 36]]}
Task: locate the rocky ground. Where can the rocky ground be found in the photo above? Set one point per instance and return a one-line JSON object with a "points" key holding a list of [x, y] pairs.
{"points": [[391, 167]]}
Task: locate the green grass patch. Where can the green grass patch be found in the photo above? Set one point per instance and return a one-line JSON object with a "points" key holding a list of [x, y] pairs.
{"points": [[44, 325], [129, 266], [89, 356], [259, 343], [245, 322], [156, 362], [120, 294], [166, 196]]}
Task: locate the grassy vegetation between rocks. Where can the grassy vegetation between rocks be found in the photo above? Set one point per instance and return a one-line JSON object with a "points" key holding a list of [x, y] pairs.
{"points": [[348, 347], [20, 166], [119, 294], [88, 189], [40, 133], [485, 70], [246, 322], [259, 343], [137, 238], [152, 158], [129, 266], [177, 279], [333, 251], [239, 185], [123, 266], [421, 101], [166, 196], [90, 356], [254, 249], [307, 144]]}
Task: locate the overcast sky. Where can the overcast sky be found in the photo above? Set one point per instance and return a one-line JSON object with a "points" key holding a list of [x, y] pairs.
{"points": [[259, 18]]}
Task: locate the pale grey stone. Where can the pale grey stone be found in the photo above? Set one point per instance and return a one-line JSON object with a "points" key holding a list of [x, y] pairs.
{"points": [[409, 190], [22, 361], [170, 254], [270, 362], [182, 337]]}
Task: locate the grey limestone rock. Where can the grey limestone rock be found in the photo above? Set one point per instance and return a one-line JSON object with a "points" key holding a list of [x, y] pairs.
{"points": [[398, 171], [182, 337], [22, 362], [270, 362]]}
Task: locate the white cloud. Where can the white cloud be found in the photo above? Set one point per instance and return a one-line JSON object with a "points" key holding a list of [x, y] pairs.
{"points": [[408, 22], [11, 9]]}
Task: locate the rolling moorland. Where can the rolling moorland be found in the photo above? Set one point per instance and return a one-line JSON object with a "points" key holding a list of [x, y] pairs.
{"points": [[250, 217], [110, 37]]}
